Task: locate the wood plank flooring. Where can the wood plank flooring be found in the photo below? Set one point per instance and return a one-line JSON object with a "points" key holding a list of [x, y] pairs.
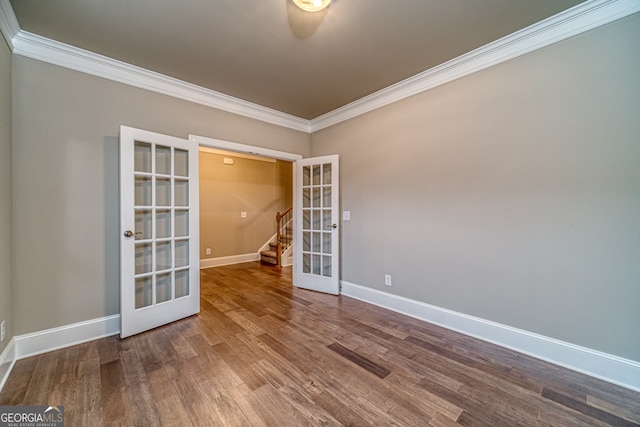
{"points": [[262, 353]]}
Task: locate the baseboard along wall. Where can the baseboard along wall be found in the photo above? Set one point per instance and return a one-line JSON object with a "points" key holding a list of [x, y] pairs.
{"points": [[27, 345], [229, 260], [607, 367], [7, 360], [597, 364]]}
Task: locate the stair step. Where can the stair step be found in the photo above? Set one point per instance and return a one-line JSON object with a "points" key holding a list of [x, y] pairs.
{"points": [[269, 254], [285, 244], [269, 257], [266, 260]]}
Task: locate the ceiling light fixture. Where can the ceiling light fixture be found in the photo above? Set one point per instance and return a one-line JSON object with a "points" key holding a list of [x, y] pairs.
{"points": [[312, 5]]}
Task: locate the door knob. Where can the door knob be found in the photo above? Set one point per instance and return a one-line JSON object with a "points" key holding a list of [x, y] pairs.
{"points": [[332, 226], [130, 233]]}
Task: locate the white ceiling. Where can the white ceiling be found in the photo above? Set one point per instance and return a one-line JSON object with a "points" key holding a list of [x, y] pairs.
{"points": [[270, 53]]}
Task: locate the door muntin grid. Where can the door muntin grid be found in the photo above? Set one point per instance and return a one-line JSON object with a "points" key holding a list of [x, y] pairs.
{"points": [[162, 214], [317, 222]]}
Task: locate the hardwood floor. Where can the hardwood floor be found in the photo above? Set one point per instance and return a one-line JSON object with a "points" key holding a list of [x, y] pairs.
{"points": [[262, 353]]}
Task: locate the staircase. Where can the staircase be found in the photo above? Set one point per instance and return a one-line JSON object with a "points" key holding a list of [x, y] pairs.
{"points": [[283, 240]]}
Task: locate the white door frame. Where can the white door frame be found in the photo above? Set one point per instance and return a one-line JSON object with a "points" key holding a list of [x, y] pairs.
{"points": [[221, 144]]}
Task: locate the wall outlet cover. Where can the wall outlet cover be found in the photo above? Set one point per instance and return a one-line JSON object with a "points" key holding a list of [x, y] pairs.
{"points": [[387, 280]]}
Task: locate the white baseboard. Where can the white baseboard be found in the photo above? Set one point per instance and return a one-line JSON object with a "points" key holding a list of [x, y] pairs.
{"points": [[27, 345], [228, 260], [607, 367], [65, 336], [7, 360], [597, 364]]}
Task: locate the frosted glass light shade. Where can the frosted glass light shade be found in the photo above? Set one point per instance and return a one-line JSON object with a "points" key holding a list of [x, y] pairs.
{"points": [[312, 5]]}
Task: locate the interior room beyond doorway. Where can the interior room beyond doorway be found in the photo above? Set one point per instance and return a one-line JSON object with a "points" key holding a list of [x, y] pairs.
{"points": [[240, 196]]}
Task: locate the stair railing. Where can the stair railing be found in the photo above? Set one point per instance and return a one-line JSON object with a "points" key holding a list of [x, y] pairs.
{"points": [[284, 232]]}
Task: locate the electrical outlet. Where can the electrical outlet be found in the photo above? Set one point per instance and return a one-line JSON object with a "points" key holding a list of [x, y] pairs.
{"points": [[387, 280], [2, 331], [208, 251], [243, 214]]}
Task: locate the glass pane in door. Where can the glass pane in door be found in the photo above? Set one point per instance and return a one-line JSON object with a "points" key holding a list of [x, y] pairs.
{"points": [[144, 223], [163, 223], [182, 283], [181, 163], [181, 223], [142, 157], [142, 191], [144, 292], [163, 287], [163, 160]]}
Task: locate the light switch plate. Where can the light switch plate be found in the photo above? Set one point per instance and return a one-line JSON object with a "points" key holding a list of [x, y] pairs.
{"points": [[243, 214], [346, 215]]}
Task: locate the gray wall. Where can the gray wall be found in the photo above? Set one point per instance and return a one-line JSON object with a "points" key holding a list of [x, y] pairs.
{"points": [[512, 194], [65, 163], [5, 192]]}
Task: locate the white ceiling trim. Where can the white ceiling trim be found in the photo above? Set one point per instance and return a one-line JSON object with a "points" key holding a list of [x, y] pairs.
{"points": [[8, 22], [51, 51], [584, 17], [571, 22]]}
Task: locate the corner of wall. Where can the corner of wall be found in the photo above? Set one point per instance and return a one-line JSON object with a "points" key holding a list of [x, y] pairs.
{"points": [[6, 215]]}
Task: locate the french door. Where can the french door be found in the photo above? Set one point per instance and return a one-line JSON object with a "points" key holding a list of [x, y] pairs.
{"points": [[159, 226], [316, 248]]}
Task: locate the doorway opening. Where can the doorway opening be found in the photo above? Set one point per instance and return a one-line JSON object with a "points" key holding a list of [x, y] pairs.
{"points": [[244, 189], [243, 198]]}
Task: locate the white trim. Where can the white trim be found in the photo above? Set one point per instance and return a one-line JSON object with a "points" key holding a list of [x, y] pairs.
{"points": [[61, 54], [607, 367], [210, 150], [601, 365], [287, 257], [65, 336], [228, 260], [27, 345], [8, 22], [7, 361], [220, 144], [266, 246], [581, 18]]}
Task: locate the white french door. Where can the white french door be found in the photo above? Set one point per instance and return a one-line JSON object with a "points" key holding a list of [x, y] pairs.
{"points": [[159, 226], [316, 248]]}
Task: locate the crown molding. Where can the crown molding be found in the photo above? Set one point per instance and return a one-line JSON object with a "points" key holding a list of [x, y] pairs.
{"points": [[8, 22], [574, 21], [61, 54]]}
